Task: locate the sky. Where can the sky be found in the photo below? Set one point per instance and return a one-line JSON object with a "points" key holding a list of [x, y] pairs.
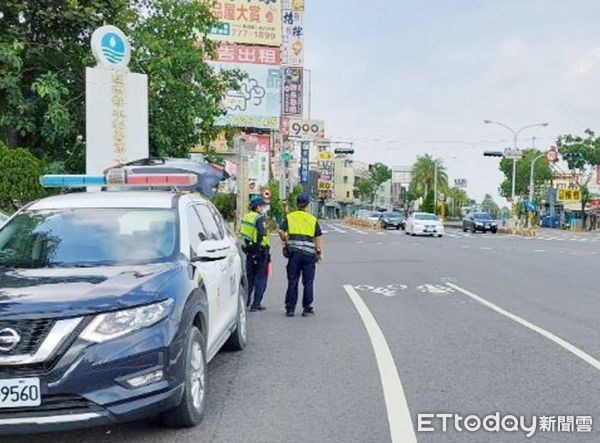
{"points": [[404, 78]]}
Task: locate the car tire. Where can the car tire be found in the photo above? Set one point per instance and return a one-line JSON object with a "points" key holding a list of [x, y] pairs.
{"points": [[465, 229], [494, 231], [190, 411], [440, 235], [239, 337], [473, 230], [397, 228]]}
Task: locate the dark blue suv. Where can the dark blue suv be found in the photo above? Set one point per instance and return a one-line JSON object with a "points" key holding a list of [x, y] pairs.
{"points": [[111, 305]]}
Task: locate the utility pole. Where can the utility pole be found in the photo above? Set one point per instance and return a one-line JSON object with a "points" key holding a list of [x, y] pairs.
{"points": [[242, 179], [531, 185]]}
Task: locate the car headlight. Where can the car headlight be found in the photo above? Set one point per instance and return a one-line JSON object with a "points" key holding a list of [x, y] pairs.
{"points": [[112, 325]]}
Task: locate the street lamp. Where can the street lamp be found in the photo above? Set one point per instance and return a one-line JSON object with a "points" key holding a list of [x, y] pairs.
{"points": [[515, 140], [309, 91], [435, 180]]}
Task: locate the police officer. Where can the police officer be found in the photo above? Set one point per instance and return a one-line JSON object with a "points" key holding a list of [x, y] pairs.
{"points": [[301, 235], [256, 238]]}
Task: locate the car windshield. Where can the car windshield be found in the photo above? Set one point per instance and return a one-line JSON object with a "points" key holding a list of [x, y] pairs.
{"points": [[482, 216], [392, 214], [426, 217], [88, 237]]}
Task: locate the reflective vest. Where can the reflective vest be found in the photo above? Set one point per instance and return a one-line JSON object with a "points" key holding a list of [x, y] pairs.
{"points": [[301, 231], [248, 229]]}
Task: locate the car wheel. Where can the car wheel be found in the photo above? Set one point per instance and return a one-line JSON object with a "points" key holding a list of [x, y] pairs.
{"points": [[238, 339], [494, 231], [397, 228], [473, 230], [190, 411], [440, 235]]}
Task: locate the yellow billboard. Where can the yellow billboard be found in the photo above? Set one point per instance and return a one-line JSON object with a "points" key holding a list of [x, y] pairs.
{"points": [[247, 21], [569, 195]]}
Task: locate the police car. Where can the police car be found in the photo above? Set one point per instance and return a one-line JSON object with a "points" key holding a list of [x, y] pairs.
{"points": [[112, 304]]}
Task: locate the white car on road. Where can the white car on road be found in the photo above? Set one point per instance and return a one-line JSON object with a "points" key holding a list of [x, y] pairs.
{"points": [[424, 223]]}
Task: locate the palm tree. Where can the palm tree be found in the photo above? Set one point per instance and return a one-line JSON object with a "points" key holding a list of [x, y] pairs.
{"points": [[422, 175], [458, 198]]}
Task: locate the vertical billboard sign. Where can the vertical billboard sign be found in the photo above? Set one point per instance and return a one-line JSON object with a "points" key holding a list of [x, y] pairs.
{"points": [[325, 167], [292, 45], [304, 162], [253, 22], [293, 91]]}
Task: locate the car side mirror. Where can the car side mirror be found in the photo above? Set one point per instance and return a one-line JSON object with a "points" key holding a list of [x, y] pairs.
{"points": [[211, 250]]}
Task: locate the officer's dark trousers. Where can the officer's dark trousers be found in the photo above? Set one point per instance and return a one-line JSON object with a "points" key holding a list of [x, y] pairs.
{"points": [[257, 274], [300, 264]]}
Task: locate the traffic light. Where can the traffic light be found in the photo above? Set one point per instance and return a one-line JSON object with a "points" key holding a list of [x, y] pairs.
{"points": [[493, 154]]}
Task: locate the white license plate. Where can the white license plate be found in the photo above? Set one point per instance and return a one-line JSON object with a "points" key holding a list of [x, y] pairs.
{"points": [[20, 393], [429, 229]]}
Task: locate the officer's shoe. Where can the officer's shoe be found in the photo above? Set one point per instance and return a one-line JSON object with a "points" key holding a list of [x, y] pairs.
{"points": [[289, 313], [308, 312]]}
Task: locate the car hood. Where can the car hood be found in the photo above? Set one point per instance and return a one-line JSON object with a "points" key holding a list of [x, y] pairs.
{"points": [[71, 292]]}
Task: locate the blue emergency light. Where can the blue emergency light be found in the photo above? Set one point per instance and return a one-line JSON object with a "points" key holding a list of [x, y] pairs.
{"points": [[72, 181]]}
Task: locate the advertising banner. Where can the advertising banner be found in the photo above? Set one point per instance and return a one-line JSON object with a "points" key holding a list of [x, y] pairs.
{"points": [[304, 162], [258, 161], [303, 129], [259, 55], [258, 103], [293, 91], [254, 22], [325, 168], [292, 45]]}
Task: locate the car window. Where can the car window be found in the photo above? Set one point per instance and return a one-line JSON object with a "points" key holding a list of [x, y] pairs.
{"points": [[210, 224], [218, 220], [426, 217], [196, 230], [89, 237]]}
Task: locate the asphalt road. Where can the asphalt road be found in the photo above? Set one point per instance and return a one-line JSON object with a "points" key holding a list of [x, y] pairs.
{"points": [[474, 324]]}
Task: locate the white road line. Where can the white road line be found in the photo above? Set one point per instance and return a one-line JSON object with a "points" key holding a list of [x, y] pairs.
{"points": [[401, 427], [550, 336], [336, 229], [539, 250], [357, 230], [485, 248]]}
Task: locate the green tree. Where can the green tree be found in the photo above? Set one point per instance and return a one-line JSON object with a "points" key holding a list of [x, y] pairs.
{"points": [[490, 206], [582, 154], [422, 175], [542, 172], [379, 173], [457, 198], [44, 49], [19, 180], [365, 188], [428, 204]]}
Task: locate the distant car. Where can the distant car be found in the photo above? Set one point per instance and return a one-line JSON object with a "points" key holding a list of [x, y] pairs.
{"points": [[392, 219], [362, 214], [479, 221], [374, 216], [424, 223]]}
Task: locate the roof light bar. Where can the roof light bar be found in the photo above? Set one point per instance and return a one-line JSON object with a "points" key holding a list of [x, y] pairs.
{"points": [[72, 181], [116, 177], [161, 179]]}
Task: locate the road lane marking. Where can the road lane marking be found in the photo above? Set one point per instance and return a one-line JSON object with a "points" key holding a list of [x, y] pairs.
{"points": [[336, 228], [486, 248], [549, 335], [539, 250], [357, 230], [401, 427]]}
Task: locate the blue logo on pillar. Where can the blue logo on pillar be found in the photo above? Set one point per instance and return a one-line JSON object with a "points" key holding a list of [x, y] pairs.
{"points": [[113, 47]]}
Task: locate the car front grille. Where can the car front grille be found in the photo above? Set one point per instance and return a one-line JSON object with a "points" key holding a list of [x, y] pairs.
{"points": [[55, 404], [32, 334]]}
